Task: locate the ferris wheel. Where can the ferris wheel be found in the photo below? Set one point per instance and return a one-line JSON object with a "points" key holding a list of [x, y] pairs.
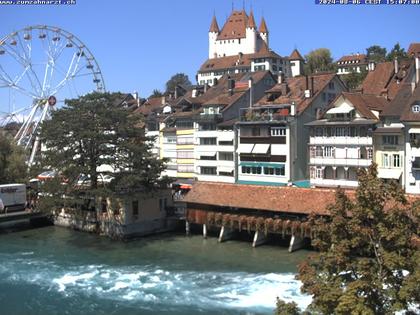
{"points": [[40, 67]]}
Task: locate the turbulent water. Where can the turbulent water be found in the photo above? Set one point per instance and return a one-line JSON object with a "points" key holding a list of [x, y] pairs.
{"points": [[58, 271]]}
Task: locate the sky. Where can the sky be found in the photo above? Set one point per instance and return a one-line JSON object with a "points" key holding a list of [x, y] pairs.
{"points": [[140, 44]]}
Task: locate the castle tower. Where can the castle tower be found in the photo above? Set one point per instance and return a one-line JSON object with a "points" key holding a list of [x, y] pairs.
{"points": [[213, 33], [251, 35], [296, 63], [263, 30]]}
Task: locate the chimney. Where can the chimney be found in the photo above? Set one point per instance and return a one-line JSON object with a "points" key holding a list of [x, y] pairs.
{"points": [[163, 100], [194, 93], [280, 78], [417, 69], [312, 85], [284, 88], [308, 92], [395, 65], [231, 86], [251, 95], [176, 92], [205, 87]]}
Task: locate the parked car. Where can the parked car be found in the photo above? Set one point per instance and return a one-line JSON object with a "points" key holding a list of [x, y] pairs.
{"points": [[84, 180]]}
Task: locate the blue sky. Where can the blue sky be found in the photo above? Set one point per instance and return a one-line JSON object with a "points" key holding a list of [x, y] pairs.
{"points": [[139, 44]]}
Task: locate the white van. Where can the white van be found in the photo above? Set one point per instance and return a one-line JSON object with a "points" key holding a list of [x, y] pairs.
{"points": [[13, 197]]}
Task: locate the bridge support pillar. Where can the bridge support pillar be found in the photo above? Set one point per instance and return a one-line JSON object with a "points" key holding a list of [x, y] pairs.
{"points": [[204, 231], [225, 234], [296, 243], [259, 239], [187, 228]]}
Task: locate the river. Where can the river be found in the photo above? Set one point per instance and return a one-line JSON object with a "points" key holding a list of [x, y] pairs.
{"points": [[54, 270]]}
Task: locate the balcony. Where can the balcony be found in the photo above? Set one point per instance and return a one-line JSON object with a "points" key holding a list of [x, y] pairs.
{"points": [[266, 114], [341, 140], [320, 161], [208, 118], [334, 182]]}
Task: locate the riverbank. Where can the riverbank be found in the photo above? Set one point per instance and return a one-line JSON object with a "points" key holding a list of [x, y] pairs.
{"points": [[60, 271]]}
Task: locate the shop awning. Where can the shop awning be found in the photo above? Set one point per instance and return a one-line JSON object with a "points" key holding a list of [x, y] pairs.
{"points": [[226, 169], [225, 136], [389, 173], [414, 130], [278, 149], [261, 148], [245, 147]]}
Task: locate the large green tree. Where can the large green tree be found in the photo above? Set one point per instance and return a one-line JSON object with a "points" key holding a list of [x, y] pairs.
{"points": [[12, 161], [94, 137], [397, 52], [177, 79], [354, 79], [376, 53], [367, 260], [319, 60]]}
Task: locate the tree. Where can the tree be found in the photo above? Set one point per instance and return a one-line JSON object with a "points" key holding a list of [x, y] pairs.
{"points": [[376, 53], [354, 79], [156, 93], [12, 161], [91, 133], [397, 52], [368, 261], [284, 308], [177, 79], [319, 60]]}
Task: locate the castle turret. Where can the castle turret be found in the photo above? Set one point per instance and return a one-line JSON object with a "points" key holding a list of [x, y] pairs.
{"points": [[296, 63], [213, 33], [251, 34], [263, 30]]}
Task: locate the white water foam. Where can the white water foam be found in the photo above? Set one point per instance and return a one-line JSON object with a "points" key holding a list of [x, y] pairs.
{"points": [[148, 285]]}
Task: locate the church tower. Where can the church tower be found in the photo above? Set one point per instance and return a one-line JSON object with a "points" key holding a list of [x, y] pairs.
{"points": [[213, 33]]}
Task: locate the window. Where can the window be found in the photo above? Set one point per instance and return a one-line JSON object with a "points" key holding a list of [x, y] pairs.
{"points": [[185, 154], [135, 208], [230, 174], [312, 151], [385, 160], [204, 170], [184, 124], [319, 132], [246, 170], [259, 68], [255, 132], [276, 171], [256, 170], [208, 141], [319, 173], [329, 151], [396, 160], [186, 168], [390, 140], [369, 153], [169, 140], [318, 152], [276, 131], [162, 204], [362, 132], [340, 132], [331, 85], [208, 158], [415, 108], [226, 156], [226, 142], [185, 140], [207, 126]]}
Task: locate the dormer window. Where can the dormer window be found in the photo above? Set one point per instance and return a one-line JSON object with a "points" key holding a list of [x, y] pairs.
{"points": [[415, 108]]}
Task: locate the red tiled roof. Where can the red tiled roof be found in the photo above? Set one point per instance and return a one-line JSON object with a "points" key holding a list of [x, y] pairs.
{"points": [[362, 58], [414, 49], [365, 103], [263, 26], [295, 55], [151, 104], [235, 26], [268, 198], [226, 62], [383, 79], [407, 112], [214, 27], [251, 21], [296, 91]]}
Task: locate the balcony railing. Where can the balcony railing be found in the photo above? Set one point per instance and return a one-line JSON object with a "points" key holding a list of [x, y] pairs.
{"points": [[265, 114]]}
